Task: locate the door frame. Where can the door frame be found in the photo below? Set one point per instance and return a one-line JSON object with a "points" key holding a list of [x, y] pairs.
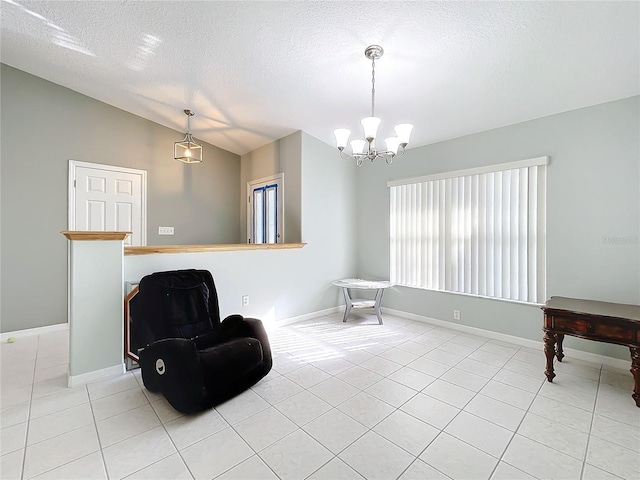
{"points": [[71, 217], [279, 179]]}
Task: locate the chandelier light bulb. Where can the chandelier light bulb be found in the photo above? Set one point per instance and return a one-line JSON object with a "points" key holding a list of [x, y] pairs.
{"points": [[403, 131], [370, 125], [188, 152], [392, 144], [357, 146], [342, 137]]}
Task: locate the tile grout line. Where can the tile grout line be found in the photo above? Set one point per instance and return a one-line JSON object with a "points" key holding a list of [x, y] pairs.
{"points": [[515, 432], [369, 429], [26, 437], [95, 426], [462, 410], [165, 430], [593, 415], [255, 452]]}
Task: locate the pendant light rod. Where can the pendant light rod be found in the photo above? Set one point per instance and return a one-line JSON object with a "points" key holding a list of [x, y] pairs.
{"points": [[189, 114]]}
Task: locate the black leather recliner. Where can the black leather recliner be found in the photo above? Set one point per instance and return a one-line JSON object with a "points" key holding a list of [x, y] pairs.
{"points": [[185, 351]]}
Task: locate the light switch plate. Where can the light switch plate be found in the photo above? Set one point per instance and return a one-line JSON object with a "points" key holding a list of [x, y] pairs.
{"points": [[165, 230]]}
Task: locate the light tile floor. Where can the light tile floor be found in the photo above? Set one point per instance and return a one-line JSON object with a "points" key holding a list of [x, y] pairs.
{"points": [[403, 400]]}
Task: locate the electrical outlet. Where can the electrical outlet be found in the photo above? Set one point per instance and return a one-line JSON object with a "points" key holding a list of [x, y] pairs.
{"points": [[165, 230], [245, 300], [456, 314]]}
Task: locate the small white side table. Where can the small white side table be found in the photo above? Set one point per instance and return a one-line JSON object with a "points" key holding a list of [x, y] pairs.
{"points": [[357, 284]]}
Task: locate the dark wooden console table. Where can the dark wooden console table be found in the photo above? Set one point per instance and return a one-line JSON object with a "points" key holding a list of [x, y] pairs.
{"points": [[601, 321]]}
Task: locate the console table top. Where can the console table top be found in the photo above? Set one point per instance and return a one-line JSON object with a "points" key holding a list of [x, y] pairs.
{"points": [[593, 307]]}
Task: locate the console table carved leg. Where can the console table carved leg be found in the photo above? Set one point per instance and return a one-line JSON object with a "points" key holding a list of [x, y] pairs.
{"points": [[559, 351], [549, 352], [635, 371]]}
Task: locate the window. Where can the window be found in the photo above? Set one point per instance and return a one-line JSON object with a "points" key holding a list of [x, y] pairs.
{"points": [[265, 210], [479, 231]]}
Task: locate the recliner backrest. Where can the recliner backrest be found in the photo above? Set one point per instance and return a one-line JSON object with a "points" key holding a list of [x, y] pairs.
{"points": [[175, 304]]}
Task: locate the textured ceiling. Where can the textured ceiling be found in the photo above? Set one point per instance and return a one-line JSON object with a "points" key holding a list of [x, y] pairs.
{"points": [[257, 71]]}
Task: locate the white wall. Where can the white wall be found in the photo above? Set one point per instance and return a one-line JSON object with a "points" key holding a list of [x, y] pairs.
{"points": [[593, 193], [285, 283]]}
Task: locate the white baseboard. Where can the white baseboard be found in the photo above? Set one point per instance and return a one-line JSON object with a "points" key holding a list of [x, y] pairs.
{"points": [[75, 380], [308, 316], [523, 342], [29, 332]]}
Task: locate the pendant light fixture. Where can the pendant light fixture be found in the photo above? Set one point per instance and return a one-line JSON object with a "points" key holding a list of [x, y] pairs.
{"points": [[187, 151], [366, 149]]}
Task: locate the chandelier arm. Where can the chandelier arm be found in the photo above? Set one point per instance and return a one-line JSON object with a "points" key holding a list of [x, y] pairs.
{"points": [[346, 156]]}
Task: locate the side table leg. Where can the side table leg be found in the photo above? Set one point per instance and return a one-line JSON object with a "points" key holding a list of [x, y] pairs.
{"points": [[549, 352], [347, 303], [376, 306], [635, 371], [559, 352]]}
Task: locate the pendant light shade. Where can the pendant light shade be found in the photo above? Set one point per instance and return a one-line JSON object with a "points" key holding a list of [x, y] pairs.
{"points": [[342, 137], [403, 132], [187, 151], [370, 126]]}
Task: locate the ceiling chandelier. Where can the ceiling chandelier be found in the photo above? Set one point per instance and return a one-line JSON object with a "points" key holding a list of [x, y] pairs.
{"points": [[188, 151], [366, 149]]}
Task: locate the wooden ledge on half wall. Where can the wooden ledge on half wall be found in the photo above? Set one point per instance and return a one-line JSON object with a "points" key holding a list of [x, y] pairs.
{"points": [[148, 250], [94, 235]]}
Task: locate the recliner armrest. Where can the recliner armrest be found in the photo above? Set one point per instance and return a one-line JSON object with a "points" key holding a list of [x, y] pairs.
{"points": [[172, 366], [240, 326]]}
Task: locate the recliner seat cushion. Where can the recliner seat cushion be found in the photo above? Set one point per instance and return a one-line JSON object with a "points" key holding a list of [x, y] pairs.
{"points": [[231, 360]]}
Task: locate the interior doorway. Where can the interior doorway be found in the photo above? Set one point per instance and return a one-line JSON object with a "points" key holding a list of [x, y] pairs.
{"points": [[265, 207], [108, 198]]}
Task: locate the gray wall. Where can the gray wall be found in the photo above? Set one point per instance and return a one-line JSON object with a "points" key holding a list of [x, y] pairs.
{"points": [[43, 127], [285, 283], [593, 194], [282, 156]]}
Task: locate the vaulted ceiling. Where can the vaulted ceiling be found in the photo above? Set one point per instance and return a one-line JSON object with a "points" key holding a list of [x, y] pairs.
{"points": [[256, 71]]}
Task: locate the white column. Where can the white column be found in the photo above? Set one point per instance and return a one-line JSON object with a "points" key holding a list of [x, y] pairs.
{"points": [[95, 305]]}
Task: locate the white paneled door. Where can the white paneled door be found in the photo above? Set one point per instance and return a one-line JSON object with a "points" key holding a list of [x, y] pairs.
{"points": [[108, 198]]}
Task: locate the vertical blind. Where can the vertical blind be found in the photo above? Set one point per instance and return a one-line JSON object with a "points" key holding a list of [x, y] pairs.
{"points": [[479, 231]]}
